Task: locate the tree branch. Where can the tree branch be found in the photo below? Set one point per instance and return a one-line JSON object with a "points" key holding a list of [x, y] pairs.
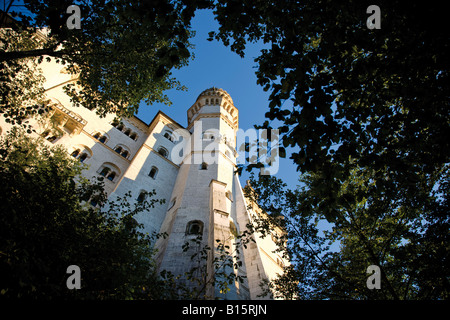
{"points": [[372, 255], [13, 55]]}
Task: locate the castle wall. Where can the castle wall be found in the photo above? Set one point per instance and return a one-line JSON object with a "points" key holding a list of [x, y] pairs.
{"points": [[202, 193]]}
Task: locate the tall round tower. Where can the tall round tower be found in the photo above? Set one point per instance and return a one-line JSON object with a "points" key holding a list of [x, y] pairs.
{"points": [[202, 209]]}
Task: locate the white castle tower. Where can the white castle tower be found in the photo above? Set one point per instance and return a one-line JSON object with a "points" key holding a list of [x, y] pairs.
{"points": [[192, 168], [203, 202]]}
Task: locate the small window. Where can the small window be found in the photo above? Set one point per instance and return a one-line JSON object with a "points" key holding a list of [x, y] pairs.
{"points": [[75, 153], [120, 127], [100, 137], [153, 172], [82, 153], [133, 136], [45, 133], [168, 135], [105, 171], [83, 157], [194, 228], [124, 154], [118, 149], [111, 176], [52, 138], [141, 197], [204, 166], [127, 132], [163, 151]]}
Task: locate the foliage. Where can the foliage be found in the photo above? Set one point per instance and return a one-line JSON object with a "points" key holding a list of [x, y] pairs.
{"points": [[367, 118], [123, 53], [21, 90], [47, 223], [380, 95], [215, 269], [329, 260]]}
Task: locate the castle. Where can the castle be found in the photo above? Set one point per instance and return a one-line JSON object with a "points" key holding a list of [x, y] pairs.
{"points": [[192, 167]]}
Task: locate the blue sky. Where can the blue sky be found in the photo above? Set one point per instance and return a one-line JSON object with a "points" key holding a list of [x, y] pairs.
{"points": [[216, 65]]}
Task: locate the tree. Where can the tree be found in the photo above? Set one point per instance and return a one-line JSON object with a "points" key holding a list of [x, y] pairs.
{"points": [[379, 94], [21, 90], [329, 257], [367, 116], [48, 223], [122, 54]]}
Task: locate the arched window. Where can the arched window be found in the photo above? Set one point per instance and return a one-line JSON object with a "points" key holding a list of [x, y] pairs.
{"points": [[194, 227], [105, 171], [109, 170], [82, 152], [120, 127], [100, 137], [204, 166], [54, 137], [45, 133], [111, 176], [168, 135], [141, 197], [83, 157], [163, 151], [127, 132], [122, 150], [133, 136], [153, 172], [75, 153]]}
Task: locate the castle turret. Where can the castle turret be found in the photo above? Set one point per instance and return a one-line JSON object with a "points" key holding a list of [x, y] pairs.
{"points": [[202, 206]]}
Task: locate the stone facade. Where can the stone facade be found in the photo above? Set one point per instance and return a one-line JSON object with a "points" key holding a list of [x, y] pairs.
{"points": [[193, 168]]}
